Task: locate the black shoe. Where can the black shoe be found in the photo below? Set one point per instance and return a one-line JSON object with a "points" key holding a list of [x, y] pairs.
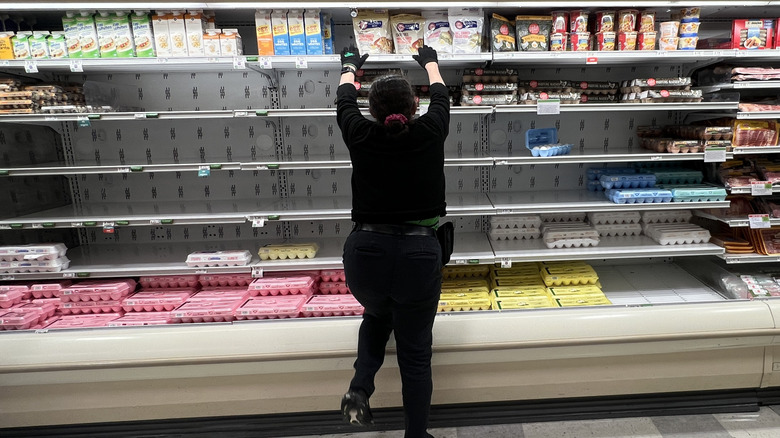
{"points": [[355, 408]]}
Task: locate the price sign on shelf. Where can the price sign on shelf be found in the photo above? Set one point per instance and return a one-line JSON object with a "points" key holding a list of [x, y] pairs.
{"points": [[265, 63], [759, 221], [30, 67], [715, 155], [592, 60], [761, 188], [300, 63], [239, 63], [548, 106], [76, 65]]}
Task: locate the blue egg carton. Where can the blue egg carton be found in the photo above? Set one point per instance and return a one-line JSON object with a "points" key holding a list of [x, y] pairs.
{"points": [[671, 176], [639, 196], [594, 186], [594, 173], [627, 181], [544, 143]]}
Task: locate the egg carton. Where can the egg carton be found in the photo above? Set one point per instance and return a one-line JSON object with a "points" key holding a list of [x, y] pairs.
{"points": [[44, 311], [32, 252], [583, 301], [334, 287], [10, 298], [570, 279], [677, 234], [614, 217], [627, 181], [221, 294], [11, 320], [698, 193], [333, 275], [594, 173], [518, 303], [563, 217], [97, 290], [461, 283], [449, 290], [204, 259], [48, 290], [520, 291], [224, 280], [206, 311], [515, 234], [678, 176], [331, 305], [618, 230], [594, 186], [551, 150], [469, 271], [75, 308], [35, 266], [639, 196], [288, 251], [571, 242], [670, 216], [576, 290], [168, 281], [515, 222], [83, 321], [458, 302], [23, 288], [515, 270], [569, 236], [156, 301], [282, 285], [141, 319], [271, 307]]}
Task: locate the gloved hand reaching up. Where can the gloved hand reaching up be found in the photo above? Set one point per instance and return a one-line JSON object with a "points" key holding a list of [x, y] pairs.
{"points": [[426, 54], [351, 61]]}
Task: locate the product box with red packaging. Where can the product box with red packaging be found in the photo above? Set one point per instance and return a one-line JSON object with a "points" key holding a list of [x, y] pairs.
{"points": [[752, 34]]}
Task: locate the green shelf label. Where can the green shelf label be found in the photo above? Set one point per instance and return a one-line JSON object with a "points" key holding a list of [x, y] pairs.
{"points": [[215, 166], [136, 168], [473, 261], [273, 166], [90, 224], [16, 226], [261, 112], [3, 172], [93, 116], [82, 274], [48, 225], [166, 221], [252, 58], [123, 222], [152, 115], [273, 217]]}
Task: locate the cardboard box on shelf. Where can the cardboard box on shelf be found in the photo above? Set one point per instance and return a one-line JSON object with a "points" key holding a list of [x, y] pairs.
{"points": [[58, 46], [162, 35], [327, 34], [296, 29], [71, 28], [211, 44], [313, 22], [752, 34], [123, 35], [280, 32], [178, 31], [6, 46], [88, 36], [21, 45], [264, 32], [143, 36], [39, 45], [104, 25], [230, 43], [195, 25]]}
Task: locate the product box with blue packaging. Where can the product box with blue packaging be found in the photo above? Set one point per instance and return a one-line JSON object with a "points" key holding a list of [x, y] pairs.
{"points": [[280, 32], [544, 143]]}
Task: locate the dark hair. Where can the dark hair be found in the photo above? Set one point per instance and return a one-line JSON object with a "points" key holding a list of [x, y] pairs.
{"points": [[392, 95]]}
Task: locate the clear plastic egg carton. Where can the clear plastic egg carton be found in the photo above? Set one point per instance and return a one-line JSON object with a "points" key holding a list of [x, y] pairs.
{"points": [[461, 302], [168, 281], [698, 193], [83, 321], [614, 217], [204, 259], [36, 252], [595, 173], [515, 222], [618, 230], [334, 287], [10, 298], [225, 280], [515, 234], [282, 285], [627, 181], [155, 301], [563, 217], [206, 311], [221, 294], [13, 320], [569, 235], [75, 308], [639, 196], [49, 290], [55, 265], [678, 176], [670, 216], [331, 305], [288, 251], [333, 275], [136, 319], [468, 271], [271, 307], [43, 311], [677, 234], [97, 290]]}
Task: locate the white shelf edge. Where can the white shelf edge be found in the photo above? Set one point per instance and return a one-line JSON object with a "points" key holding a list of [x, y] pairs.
{"points": [[758, 115], [747, 150], [602, 107], [748, 258], [734, 222]]}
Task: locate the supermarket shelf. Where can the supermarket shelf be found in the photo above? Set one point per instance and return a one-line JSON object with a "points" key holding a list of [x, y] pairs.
{"points": [[747, 85], [579, 201], [627, 57], [532, 250], [747, 190], [758, 115], [733, 259], [733, 222], [659, 283], [638, 155], [607, 107], [83, 169], [747, 150]]}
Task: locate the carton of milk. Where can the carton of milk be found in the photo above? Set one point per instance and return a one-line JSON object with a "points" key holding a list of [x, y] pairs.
{"points": [[230, 43], [104, 24], [21, 45], [296, 29], [39, 45], [265, 35], [280, 33], [162, 37], [195, 24], [211, 43], [88, 36], [143, 36], [123, 35], [58, 47], [327, 33], [178, 31], [71, 28], [313, 22]]}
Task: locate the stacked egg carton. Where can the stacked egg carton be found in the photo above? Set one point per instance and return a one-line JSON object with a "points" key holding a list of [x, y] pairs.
{"points": [[160, 294], [686, 185], [95, 296], [333, 281], [33, 258], [594, 174], [515, 227], [531, 91], [464, 294], [489, 86], [659, 90], [288, 251], [573, 283], [211, 304], [627, 186], [519, 287], [24, 315], [465, 271], [673, 228], [616, 223], [279, 295]]}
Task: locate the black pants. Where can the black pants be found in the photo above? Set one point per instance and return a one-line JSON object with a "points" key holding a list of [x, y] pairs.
{"points": [[397, 278]]}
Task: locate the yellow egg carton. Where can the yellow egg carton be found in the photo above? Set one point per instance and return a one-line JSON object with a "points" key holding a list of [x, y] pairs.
{"points": [[566, 264], [566, 277], [464, 282], [465, 290], [517, 282], [469, 271], [523, 303], [520, 292], [464, 301], [584, 300], [517, 269], [288, 251], [570, 291]]}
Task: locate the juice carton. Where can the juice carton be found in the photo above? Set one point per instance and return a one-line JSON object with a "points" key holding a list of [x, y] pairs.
{"points": [[88, 36], [313, 22], [71, 28], [162, 36], [178, 32], [327, 34], [194, 23], [58, 46], [21, 45], [104, 24], [211, 45], [143, 36], [39, 46], [295, 27], [6, 46], [265, 36], [230, 43], [123, 35], [281, 36]]}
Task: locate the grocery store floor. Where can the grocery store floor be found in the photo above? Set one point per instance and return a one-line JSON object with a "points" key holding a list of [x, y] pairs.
{"points": [[762, 424]]}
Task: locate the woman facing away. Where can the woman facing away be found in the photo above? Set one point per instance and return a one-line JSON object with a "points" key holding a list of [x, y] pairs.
{"points": [[392, 258]]}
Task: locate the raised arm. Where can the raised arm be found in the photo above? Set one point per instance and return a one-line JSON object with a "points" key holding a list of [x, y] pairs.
{"points": [[429, 60]]}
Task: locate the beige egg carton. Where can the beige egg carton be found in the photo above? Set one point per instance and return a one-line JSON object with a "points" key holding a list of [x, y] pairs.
{"points": [[515, 234], [618, 230], [614, 217], [677, 234], [569, 235], [669, 216], [512, 222], [288, 251]]}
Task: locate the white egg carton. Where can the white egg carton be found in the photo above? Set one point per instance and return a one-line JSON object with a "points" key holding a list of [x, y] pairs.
{"points": [[669, 216], [32, 252], [515, 222], [614, 217], [563, 217], [677, 234], [515, 234], [614, 230], [218, 258], [569, 235], [52, 265]]}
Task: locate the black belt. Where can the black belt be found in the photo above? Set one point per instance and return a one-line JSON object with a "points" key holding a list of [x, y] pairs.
{"points": [[397, 229]]}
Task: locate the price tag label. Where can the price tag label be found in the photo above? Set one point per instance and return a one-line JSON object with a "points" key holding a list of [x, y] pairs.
{"points": [[656, 158], [76, 65], [715, 155], [759, 221], [761, 188], [300, 62], [7, 277], [30, 67], [138, 116], [5, 227], [68, 275], [461, 262], [504, 211], [506, 263], [265, 63], [592, 60], [548, 107], [5, 63], [77, 224], [257, 272], [50, 118], [155, 221], [201, 271], [240, 113], [258, 222], [239, 63], [162, 60], [123, 169], [212, 60], [204, 171], [36, 226]]}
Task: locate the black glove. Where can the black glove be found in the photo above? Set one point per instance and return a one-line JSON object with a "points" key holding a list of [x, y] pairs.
{"points": [[425, 55], [351, 61]]}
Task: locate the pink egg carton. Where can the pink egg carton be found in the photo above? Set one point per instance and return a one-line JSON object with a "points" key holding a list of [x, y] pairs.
{"points": [[221, 294], [11, 320], [142, 318], [23, 288], [77, 307], [98, 290], [332, 305], [32, 252], [282, 285], [56, 302], [218, 258], [49, 290], [83, 321], [151, 300], [43, 310], [10, 298], [206, 311], [334, 287], [225, 280], [333, 275], [168, 281], [288, 306]]}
